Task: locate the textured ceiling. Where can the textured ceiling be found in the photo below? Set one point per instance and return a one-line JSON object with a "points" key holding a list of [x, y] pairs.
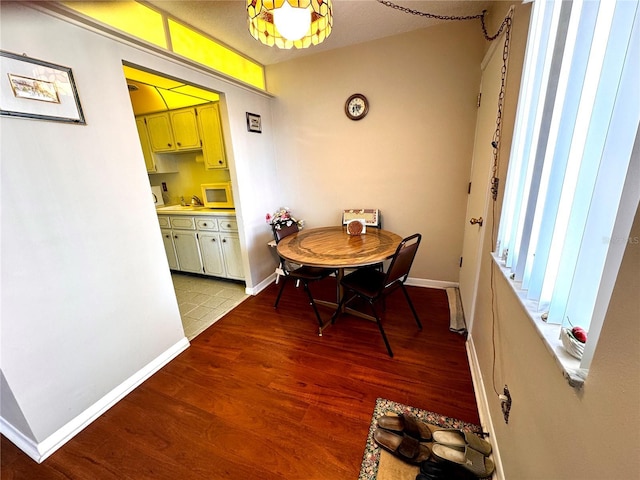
{"points": [[354, 21]]}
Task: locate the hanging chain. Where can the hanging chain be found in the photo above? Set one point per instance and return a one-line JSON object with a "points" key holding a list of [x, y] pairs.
{"points": [[504, 26], [429, 15], [480, 16]]}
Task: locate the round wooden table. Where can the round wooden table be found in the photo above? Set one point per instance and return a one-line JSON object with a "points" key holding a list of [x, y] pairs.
{"points": [[332, 247]]}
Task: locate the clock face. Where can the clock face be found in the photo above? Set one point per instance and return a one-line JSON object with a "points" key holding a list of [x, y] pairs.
{"points": [[356, 106]]}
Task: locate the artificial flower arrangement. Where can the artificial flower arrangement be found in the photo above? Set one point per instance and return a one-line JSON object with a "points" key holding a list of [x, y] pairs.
{"points": [[282, 217]]}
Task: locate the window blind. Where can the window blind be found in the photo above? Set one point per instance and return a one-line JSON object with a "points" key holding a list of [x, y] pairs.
{"points": [[577, 121]]}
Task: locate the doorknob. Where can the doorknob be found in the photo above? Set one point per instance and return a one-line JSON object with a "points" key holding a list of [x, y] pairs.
{"points": [[475, 221]]}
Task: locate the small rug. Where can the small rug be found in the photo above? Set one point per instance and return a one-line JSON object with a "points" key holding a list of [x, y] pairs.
{"points": [[378, 464]]}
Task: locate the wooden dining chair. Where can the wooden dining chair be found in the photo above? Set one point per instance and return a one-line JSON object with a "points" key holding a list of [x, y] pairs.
{"points": [[301, 274], [373, 285]]}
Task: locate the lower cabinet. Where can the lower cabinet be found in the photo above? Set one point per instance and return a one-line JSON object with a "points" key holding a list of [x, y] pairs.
{"points": [[170, 249], [211, 254], [187, 251], [206, 245], [231, 255]]}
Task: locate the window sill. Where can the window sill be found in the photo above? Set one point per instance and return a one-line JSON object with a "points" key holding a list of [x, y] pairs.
{"points": [[549, 333]]}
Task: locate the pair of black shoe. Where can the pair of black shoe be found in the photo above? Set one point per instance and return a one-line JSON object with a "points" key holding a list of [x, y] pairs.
{"points": [[434, 470]]}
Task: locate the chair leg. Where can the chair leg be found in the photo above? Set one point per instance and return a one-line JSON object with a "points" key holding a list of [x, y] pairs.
{"points": [[415, 315], [384, 335], [284, 282], [338, 311], [315, 308]]}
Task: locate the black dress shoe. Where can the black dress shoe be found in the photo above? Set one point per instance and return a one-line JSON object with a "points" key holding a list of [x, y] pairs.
{"points": [[432, 470]]}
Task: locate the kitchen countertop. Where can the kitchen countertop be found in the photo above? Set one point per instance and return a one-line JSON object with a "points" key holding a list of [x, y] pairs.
{"points": [[189, 210]]}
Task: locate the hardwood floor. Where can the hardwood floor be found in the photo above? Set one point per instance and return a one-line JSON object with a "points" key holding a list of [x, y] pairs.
{"points": [[260, 396]]}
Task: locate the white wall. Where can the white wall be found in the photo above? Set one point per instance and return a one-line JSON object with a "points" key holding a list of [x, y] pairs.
{"points": [[410, 156], [87, 298]]}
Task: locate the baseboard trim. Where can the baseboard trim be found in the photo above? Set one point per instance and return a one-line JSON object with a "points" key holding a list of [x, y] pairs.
{"points": [[40, 451], [483, 406], [427, 283], [261, 286]]}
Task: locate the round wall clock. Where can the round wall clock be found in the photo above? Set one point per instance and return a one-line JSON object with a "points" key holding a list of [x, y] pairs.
{"points": [[356, 107]]}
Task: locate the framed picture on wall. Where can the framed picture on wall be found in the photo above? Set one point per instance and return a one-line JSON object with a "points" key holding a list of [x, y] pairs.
{"points": [[39, 90], [254, 123]]}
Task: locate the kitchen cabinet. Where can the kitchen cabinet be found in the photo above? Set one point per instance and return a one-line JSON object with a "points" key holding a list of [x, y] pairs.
{"points": [[144, 143], [160, 132], [230, 243], [203, 244], [187, 251], [170, 249], [172, 131], [211, 250], [211, 134], [153, 162], [185, 129], [185, 240]]}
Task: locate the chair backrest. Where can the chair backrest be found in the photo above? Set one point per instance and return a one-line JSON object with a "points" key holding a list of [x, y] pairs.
{"points": [[402, 260], [284, 231]]}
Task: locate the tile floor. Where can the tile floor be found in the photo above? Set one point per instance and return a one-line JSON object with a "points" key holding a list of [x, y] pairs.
{"points": [[203, 301]]}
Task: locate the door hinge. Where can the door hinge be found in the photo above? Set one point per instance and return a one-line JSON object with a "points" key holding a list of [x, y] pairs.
{"points": [[460, 262], [479, 99], [469, 189]]}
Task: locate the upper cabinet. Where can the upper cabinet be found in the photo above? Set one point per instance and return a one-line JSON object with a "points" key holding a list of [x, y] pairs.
{"points": [[153, 162], [144, 142], [211, 134], [173, 131], [186, 129], [160, 132]]}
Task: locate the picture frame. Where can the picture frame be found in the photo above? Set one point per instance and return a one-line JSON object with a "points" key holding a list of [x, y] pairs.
{"points": [[254, 123], [38, 90]]}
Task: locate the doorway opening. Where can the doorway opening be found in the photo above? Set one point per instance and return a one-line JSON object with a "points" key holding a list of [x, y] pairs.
{"points": [[182, 142]]}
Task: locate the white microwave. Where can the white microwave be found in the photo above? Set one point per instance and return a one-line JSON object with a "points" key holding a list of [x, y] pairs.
{"points": [[217, 195]]}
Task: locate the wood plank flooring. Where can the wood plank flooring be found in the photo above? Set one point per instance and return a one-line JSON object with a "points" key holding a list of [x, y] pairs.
{"points": [[260, 396]]}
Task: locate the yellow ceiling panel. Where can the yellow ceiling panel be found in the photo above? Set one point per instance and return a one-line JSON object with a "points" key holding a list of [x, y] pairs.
{"points": [[150, 78], [146, 99], [197, 92], [177, 100], [193, 45], [138, 20], [126, 15]]}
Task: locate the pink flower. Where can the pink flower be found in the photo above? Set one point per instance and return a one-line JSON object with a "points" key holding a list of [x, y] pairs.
{"points": [[268, 217]]}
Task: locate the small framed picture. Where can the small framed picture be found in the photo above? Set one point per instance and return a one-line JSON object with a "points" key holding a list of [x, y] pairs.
{"points": [[254, 123], [35, 89]]}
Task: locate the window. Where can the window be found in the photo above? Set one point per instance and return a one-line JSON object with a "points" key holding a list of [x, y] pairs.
{"points": [[572, 186]]}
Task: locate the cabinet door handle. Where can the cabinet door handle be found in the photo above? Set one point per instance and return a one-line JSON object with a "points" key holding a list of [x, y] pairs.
{"points": [[168, 144], [213, 239], [179, 144], [204, 224], [224, 240], [176, 236], [220, 162]]}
